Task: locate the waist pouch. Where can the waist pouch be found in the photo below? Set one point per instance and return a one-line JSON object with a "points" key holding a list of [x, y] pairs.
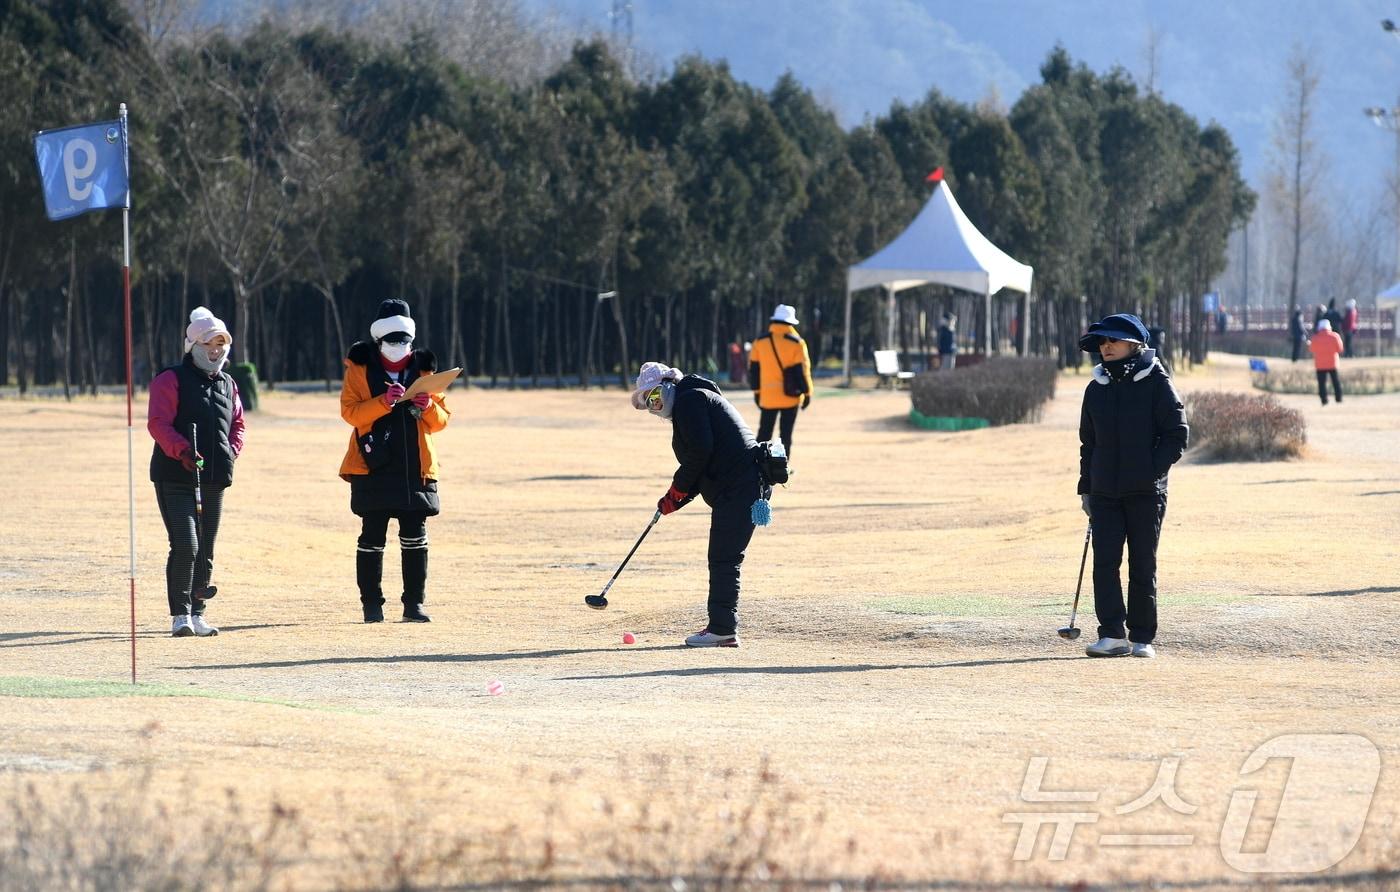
{"points": [[773, 469], [374, 450]]}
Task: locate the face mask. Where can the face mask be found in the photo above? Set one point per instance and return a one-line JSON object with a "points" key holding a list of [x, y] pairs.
{"points": [[660, 404], [202, 360], [395, 352]]}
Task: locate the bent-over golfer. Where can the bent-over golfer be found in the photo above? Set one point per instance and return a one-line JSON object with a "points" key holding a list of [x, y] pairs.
{"points": [[716, 454], [196, 419], [1132, 429]]}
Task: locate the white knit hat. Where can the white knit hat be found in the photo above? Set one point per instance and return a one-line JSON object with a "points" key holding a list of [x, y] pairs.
{"points": [[652, 374], [203, 326], [392, 316], [785, 313], [1324, 325]]}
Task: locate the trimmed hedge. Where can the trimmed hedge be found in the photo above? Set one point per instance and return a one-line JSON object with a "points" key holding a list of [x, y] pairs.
{"points": [[245, 375], [1003, 390], [1244, 427], [1300, 379]]}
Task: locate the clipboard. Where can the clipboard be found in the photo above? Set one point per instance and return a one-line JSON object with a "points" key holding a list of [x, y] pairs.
{"points": [[434, 383]]}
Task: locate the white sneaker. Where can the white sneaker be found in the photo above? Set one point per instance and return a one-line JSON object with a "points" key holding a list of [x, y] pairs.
{"points": [[1143, 650], [1109, 647], [706, 638], [202, 628], [180, 627]]}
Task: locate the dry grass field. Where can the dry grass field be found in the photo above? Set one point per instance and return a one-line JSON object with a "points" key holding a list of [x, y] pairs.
{"points": [[898, 680]]}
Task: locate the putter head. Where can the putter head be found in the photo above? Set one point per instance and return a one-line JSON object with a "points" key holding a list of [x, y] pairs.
{"points": [[597, 602], [1069, 633]]}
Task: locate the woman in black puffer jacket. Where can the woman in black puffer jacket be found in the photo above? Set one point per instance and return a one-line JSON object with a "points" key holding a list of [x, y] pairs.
{"points": [[1132, 429], [715, 449]]}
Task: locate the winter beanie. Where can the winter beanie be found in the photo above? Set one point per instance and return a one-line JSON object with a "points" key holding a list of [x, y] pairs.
{"points": [[652, 374], [393, 316], [203, 326], [1324, 325]]}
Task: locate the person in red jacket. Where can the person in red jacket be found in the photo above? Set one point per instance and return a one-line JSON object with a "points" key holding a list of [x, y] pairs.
{"points": [[195, 417], [1351, 321], [1326, 346]]}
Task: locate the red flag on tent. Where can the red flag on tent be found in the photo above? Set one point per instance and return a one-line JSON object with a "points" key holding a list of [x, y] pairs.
{"points": [[936, 176]]}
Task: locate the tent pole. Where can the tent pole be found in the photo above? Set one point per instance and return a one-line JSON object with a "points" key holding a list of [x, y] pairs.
{"points": [[1024, 332], [985, 334], [846, 342]]}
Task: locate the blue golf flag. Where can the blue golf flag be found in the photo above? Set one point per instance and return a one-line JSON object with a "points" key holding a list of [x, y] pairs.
{"points": [[83, 168]]}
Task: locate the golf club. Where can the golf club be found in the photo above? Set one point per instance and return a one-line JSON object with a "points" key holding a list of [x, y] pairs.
{"points": [[600, 600], [208, 591], [1069, 632]]}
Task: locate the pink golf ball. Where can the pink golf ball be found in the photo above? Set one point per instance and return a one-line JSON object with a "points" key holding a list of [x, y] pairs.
{"points": [[495, 688], [629, 638]]}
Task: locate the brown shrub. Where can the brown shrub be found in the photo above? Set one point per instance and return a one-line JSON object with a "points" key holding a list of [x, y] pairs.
{"points": [[1003, 390], [1241, 427]]}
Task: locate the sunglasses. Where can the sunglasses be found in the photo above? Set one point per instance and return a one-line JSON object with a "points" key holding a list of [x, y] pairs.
{"points": [[654, 398], [397, 337]]}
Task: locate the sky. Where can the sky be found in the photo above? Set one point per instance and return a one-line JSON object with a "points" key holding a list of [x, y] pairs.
{"points": [[1223, 60]]}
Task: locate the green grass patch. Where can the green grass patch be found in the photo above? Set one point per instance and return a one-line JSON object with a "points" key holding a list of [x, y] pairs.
{"points": [[85, 689]]}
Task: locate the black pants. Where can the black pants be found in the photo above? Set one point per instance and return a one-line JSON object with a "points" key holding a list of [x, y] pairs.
{"points": [[731, 529], [1322, 384], [191, 562], [788, 418], [1138, 521], [413, 549], [1297, 347]]}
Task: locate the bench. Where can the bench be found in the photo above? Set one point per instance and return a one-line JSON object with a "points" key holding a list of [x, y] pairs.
{"points": [[887, 368]]}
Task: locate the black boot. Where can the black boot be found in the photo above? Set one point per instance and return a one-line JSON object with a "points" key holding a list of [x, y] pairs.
{"points": [[415, 579], [369, 567]]}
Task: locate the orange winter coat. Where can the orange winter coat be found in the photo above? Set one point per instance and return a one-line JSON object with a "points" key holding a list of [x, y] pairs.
{"points": [[362, 409], [1326, 346], [792, 350]]}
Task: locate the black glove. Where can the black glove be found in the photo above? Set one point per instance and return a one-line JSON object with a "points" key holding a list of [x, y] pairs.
{"points": [[756, 402], [806, 400]]}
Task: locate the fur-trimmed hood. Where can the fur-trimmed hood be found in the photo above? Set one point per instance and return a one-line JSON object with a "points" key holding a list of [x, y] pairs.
{"points": [[1149, 361], [361, 352]]}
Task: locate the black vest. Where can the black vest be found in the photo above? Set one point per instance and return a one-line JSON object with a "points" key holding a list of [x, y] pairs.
{"points": [[207, 403]]}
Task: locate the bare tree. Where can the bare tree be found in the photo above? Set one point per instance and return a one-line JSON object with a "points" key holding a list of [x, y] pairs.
{"points": [[1297, 161]]}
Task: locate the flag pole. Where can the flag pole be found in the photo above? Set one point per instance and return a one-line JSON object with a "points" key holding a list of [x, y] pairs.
{"points": [[130, 446]]}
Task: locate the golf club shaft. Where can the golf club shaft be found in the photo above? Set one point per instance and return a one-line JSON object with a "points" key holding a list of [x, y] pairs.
{"points": [[198, 489], [1078, 586], [654, 518]]}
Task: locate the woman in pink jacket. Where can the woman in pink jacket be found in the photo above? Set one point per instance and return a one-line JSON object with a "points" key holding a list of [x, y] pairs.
{"points": [[1326, 346]]}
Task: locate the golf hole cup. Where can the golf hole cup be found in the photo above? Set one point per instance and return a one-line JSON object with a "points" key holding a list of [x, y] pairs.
{"points": [[495, 688]]}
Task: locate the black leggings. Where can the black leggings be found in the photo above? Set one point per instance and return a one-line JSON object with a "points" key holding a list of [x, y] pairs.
{"points": [[788, 418], [191, 562], [1136, 520]]}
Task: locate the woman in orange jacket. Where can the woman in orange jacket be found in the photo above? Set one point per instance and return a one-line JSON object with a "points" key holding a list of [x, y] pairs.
{"points": [[390, 463], [774, 363]]}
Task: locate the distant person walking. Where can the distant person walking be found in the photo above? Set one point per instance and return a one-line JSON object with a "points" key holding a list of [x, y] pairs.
{"points": [[1333, 315], [196, 419], [1326, 346], [1351, 321], [948, 342], [780, 375], [1297, 330], [1132, 429]]}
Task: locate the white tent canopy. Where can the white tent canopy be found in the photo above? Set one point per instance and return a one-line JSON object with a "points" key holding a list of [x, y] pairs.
{"points": [[940, 247], [1389, 299]]}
